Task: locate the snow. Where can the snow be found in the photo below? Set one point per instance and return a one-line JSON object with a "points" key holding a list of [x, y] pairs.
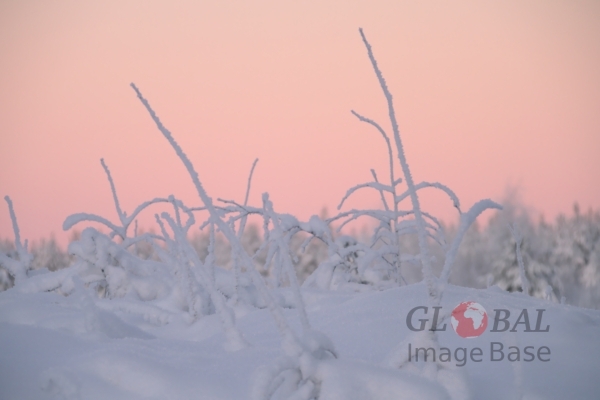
{"points": [[69, 347]]}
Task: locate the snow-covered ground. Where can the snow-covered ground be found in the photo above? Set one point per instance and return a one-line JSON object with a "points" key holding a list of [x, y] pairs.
{"points": [[73, 347]]}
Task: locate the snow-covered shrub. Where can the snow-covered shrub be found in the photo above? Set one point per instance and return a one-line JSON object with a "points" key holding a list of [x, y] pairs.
{"points": [[378, 263], [17, 263], [351, 264], [165, 275], [304, 352], [281, 224], [46, 255], [176, 282]]}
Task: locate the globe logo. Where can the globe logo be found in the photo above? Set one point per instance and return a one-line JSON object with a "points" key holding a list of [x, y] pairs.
{"points": [[469, 319]]}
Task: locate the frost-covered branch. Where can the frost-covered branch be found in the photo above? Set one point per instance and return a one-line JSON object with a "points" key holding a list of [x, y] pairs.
{"points": [[235, 340], [113, 189], [466, 219], [422, 234], [393, 182], [381, 215], [284, 252], [375, 185], [250, 181], [75, 219], [148, 203], [147, 237], [383, 200], [121, 231], [437, 185], [387, 142], [15, 225], [244, 218]]}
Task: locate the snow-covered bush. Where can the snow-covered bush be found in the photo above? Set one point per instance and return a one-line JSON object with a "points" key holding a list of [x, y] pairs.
{"points": [[17, 263], [378, 263]]}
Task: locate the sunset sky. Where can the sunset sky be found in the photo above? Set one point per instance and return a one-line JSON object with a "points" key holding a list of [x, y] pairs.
{"points": [[488, 95]]}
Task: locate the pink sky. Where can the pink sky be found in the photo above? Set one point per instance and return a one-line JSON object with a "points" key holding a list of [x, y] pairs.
{"points": [[488, 94]]}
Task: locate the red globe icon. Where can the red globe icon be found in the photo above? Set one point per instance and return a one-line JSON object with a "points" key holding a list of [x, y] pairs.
{"points": [[469, 319]]}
